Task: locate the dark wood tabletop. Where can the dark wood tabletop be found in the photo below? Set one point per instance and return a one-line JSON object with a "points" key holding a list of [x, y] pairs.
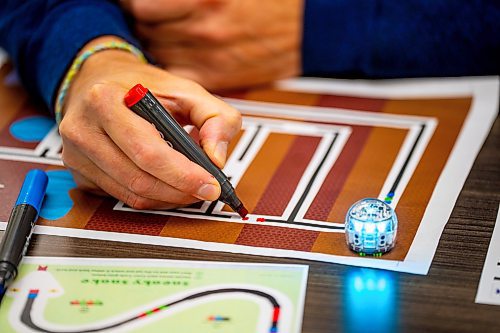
{"points": [[442, 301]]}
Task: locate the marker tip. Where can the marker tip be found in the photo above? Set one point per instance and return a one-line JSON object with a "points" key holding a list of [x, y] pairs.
{"points": [[242, 211]]}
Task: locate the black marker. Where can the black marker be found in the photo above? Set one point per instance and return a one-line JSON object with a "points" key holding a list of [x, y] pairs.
{"points": [[142, 102], [21, 223]]}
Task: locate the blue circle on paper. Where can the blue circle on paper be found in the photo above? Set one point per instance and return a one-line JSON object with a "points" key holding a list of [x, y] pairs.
{"points": [[57, 202], [32, 129]]}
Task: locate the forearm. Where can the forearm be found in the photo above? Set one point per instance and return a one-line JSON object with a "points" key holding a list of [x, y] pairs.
{"points": [[384, 39], [43, 37]]}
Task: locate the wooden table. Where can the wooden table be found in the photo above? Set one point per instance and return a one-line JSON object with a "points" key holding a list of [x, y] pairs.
{"points": [[442, 301]]}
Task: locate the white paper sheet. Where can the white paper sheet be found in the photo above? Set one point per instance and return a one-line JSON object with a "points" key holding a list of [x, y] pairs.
{"points": [[149, 295], [419, 257], [488, 291]]}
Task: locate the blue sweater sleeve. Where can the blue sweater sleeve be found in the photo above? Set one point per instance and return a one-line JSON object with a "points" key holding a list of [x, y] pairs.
{"points": [[42, 37], [410, 38]]}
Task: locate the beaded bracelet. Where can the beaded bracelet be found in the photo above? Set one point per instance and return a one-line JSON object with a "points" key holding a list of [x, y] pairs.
{"points": [[77, 64]]}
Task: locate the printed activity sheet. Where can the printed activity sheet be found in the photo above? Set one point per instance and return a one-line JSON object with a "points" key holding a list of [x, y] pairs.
{"points": [[308, 149], [488, 291], [146, 295]]}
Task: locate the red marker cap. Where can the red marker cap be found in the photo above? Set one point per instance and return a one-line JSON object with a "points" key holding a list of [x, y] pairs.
{"points": [[135, 94]]}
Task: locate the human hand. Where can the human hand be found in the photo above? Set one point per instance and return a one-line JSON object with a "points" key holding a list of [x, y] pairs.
{"points": [[109, 148], [222, 43]]}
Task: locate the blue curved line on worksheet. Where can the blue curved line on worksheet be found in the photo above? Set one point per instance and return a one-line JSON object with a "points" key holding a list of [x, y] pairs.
{"points": [[31, 129], [57, 201]]}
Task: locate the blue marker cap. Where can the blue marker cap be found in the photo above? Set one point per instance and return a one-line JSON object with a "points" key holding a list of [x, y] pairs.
{"points": [[33, 190]]}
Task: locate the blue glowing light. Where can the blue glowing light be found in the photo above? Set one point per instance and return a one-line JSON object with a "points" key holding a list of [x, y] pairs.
{"points": [[369, 301], [358, 284], [371, 227]]}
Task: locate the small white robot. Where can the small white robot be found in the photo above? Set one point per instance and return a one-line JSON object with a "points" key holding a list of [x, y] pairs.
{"points": [[371, 226]]}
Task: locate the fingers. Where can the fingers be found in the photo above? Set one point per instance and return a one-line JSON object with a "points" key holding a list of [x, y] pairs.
{"points": [[87, 185], [246, 62], [110, 147], [197, 57], [107, 156], [189, 32], [152, 11], [114, 189], [216, 121], [215, 78], [91, 178], [140, 142], [217, 129]]}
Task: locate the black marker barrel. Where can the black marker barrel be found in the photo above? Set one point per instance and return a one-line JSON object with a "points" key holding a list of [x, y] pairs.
{"points": [[21, 223]]}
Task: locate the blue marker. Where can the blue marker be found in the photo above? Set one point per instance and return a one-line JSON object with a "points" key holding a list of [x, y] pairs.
{"points": [[21, 223]]}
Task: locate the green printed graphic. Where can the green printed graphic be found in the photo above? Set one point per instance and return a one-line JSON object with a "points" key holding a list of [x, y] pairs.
{"points": [[150, 296]]}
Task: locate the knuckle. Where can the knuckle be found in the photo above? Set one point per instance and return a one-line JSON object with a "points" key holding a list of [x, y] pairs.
{"points": [[96, 91], [70, 132], [97, 97], [213, 34], [185, 181], [234, 118], [144, 154], [141, 184], [216, 57], [135, 201]]}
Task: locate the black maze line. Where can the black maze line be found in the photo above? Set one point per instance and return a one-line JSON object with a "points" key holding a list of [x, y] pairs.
{"points": [[28, 321], [198, 213], [245, 151], [393, 187], [408, 158], [293, 215], [305, 224]]}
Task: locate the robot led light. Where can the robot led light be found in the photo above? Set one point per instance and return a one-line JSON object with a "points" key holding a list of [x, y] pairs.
{"points": [[370, 227]]}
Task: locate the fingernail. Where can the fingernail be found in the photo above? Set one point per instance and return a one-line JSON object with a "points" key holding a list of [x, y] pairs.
{"points": [[208, 192], [220, 152]]}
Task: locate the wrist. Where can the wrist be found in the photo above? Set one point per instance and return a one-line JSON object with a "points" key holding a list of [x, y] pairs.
{"points": [[93, 61], [107, 56]]}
